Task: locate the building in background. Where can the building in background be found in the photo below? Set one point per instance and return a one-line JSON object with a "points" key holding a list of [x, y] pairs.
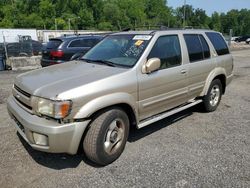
{"points": [[12, 35], [45, 35]]}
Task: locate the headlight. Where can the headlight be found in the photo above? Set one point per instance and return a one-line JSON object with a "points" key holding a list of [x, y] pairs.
{"points": [[51, 108]]}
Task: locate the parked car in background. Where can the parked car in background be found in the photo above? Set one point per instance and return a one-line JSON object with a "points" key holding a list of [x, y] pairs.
{"points": [[248, 41], [22, 48], [62, 49], [242, 38], [36, 47], [234, 38]]}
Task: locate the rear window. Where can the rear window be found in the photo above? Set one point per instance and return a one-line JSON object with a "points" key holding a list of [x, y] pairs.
{"points": [[218, 43], [53, 43]]}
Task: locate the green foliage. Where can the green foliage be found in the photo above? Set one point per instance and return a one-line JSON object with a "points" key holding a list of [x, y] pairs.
{"points": [[115, 15]]}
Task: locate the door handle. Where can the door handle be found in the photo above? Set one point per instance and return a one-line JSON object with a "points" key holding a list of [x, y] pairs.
{"points": [[183, 71]]}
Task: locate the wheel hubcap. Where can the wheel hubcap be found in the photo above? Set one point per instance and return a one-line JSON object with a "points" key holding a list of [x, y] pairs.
{"points": [[114, 136], [214, 95]]}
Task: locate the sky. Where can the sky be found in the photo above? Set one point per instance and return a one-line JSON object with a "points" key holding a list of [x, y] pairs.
{"points": [[212, 5]]}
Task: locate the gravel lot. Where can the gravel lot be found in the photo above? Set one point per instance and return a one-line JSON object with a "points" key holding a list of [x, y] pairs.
{"points": [[189, 149]]}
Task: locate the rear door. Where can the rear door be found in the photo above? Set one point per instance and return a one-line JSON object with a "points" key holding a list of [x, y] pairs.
{"points": [[200, 63], [224, 58], [166, 88]]}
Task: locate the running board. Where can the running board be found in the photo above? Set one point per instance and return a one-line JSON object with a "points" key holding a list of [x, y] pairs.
{"points": [[167, 114]]}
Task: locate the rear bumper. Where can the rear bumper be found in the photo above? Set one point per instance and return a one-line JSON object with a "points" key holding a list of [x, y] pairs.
{"points": [[59, 138], [46, 62]]}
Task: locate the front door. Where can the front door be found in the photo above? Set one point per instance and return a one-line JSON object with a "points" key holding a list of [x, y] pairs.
{"points": [[166, 88]]}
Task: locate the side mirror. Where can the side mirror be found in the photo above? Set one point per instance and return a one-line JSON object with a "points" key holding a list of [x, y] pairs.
{"points": [[151, 65]]}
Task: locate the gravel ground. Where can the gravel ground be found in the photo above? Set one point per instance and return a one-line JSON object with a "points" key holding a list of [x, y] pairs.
{"points": [[189, 149]]}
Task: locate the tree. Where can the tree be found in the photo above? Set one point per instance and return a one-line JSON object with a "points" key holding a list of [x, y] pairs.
{"points": [[215, 22], [115, 15]]}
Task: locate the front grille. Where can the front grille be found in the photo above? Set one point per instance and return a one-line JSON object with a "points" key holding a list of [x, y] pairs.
{"points": [[23, 98], [27, 106], [22, 91]]}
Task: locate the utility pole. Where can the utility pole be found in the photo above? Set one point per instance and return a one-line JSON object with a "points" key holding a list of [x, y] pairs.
{"points": [[69, 23], [74, 23], [4, 44], [184, 14], [55, 24]]}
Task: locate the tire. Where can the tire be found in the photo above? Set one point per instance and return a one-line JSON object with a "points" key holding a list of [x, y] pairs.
{"points": [[213, 97], [107, 136]]}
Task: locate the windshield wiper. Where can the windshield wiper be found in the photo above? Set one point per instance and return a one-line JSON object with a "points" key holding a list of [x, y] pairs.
{"points": [[109, 63]]}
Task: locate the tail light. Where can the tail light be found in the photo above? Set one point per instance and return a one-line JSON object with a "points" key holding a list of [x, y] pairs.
{"points": [[56, 53]]}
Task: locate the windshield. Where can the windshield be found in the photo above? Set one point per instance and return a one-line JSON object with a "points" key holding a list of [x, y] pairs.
{"points": [[120, 50]]}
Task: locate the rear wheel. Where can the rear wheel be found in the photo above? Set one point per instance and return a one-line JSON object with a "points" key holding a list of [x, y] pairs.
{"points": [[213, 97], [107, 136]]}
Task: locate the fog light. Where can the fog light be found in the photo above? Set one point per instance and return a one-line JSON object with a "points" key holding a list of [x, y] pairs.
{"points": [[40, 139]]}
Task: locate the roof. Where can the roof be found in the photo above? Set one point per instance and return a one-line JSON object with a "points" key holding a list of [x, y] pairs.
{"points": [[150, 32], [70, 37]]}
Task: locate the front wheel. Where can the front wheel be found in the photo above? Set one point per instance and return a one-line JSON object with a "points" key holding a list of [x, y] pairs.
{"points": [[213, 97], [107, 136]]}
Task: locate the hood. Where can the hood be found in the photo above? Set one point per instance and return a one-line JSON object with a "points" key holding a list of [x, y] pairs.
{"points": [[49, 82]]}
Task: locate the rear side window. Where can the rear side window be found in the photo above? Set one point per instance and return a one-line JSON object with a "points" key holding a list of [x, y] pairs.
{"points": [[83, 43], [75, 43], [197, 47], [218, 43], [205, 48], [168, 50], [53, 43], [194, 47]]}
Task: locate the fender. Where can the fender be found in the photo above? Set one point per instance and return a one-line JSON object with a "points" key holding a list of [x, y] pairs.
{"points": [[215, 72], [105, 101]]}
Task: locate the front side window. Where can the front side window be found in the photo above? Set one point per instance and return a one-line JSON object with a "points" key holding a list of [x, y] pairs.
{"points": [[168, 50], [123, 50], [218, 43]]}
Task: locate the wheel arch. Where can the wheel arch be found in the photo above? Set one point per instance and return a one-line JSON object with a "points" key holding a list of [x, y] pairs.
{"points": [[123, 106], [222, 79], [116, 100], [217, 73]]}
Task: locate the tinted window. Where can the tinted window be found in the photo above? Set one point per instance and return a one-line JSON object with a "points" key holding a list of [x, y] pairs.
{"points": [[218, 43], [205, 47], [75, 43], [167, 49], [194, 47], [53, 43], [83, 43], [88, 42]]}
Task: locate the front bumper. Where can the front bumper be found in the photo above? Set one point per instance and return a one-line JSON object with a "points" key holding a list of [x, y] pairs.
{"points": [[60, 138]]}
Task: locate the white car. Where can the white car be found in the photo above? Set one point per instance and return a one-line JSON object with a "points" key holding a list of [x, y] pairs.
{"points": [[248, 41]]}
